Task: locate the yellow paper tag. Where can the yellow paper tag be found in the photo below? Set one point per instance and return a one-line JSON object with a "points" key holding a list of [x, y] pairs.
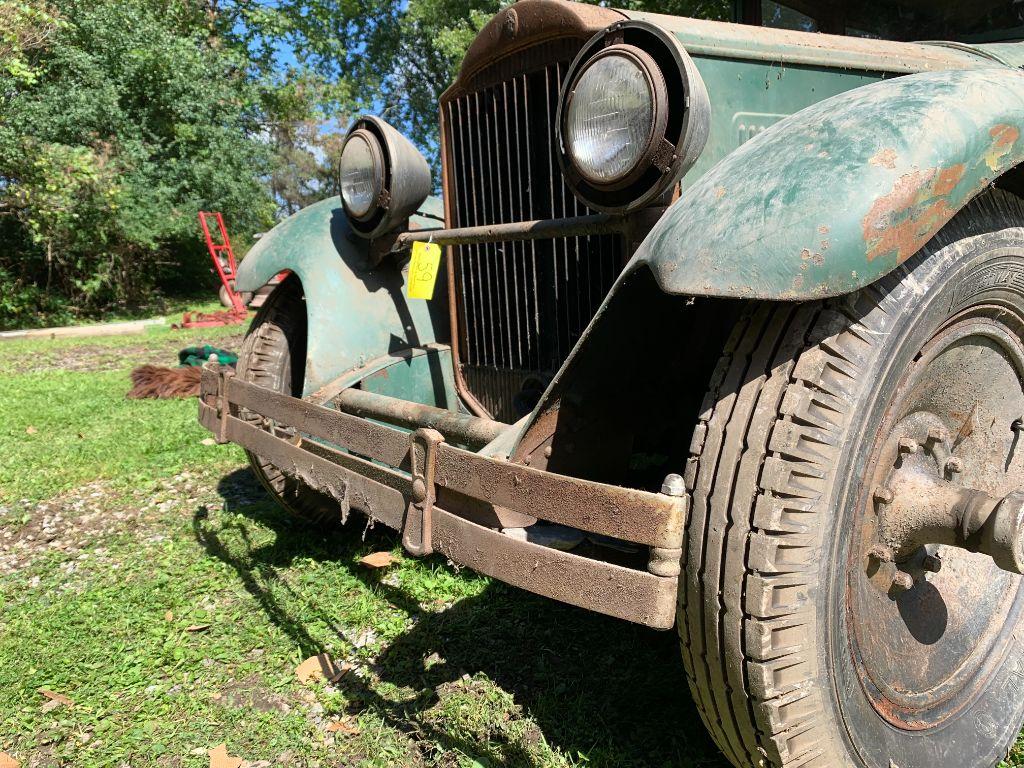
{"points": [[426, 257]]}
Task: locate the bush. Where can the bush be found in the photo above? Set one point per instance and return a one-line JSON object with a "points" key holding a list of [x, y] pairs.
{"points": [[118, 125]]}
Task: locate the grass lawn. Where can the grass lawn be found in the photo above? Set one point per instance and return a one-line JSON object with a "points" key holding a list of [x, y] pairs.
{"points": [[146, 576]]}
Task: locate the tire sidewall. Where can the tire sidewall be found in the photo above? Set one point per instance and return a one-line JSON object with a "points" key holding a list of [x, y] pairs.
{"points": [[917, 300]]}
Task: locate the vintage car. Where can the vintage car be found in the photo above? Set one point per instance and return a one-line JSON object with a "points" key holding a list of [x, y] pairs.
{"points": [[727, 337]]}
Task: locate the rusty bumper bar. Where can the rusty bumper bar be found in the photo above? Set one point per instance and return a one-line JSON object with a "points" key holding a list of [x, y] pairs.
{"points": [[396, 478]]}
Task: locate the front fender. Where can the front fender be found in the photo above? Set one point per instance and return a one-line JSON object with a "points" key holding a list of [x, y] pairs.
{"points": [[837, 195], [356, 312]]}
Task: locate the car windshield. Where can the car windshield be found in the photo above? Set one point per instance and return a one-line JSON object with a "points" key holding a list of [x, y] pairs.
{"points": [[973, 21]]}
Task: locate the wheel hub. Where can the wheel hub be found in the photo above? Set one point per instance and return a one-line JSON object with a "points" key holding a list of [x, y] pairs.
{"points": [[933, 580], [923, 503]]}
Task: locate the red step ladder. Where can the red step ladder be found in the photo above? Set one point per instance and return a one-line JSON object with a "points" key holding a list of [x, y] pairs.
{"points": [[226, 267]]}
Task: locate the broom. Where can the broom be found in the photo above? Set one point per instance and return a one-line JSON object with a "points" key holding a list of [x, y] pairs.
{"points": [[162, 382], [158, 381]]}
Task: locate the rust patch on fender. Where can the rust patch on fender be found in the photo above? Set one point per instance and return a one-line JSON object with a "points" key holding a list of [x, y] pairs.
{"points": [[808, 255], [884, 158], [902, 221], [1003, 138]]}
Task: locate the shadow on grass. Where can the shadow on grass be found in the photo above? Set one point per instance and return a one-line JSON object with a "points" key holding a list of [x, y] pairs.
{"points": [[596, 687]]}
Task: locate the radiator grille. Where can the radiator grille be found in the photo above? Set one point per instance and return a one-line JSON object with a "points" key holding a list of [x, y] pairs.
{"points": [[520, 307]]}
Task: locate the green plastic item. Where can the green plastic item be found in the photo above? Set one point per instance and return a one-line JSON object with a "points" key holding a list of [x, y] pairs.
{"points": [[196, 356]]}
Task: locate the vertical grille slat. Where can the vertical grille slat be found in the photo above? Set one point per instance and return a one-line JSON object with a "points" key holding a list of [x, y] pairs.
{"points": [[520, 306]]}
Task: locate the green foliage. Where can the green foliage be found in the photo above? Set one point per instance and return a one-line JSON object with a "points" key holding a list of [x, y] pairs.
{"points": [[120, 119], [126, 125], [25, 26], [393, 57]]}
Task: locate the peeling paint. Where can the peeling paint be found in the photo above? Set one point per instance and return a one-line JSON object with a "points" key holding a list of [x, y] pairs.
{"points": [[1003, 138], [900, 222], [815, 258], [884, 158], [903, 156]]}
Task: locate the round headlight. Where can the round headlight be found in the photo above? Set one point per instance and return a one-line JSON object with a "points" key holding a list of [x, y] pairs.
{"points": [[362, 174], [633, 117], [610, 118], [384, 179]]}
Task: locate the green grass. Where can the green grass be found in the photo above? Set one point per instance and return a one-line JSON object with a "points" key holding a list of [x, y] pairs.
{"points": [[121, 530]]}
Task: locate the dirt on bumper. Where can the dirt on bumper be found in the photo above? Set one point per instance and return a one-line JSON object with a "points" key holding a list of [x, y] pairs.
{"points": [[398, 478]]}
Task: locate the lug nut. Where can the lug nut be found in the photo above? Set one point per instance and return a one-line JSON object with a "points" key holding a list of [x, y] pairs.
{"points": [[908, 445], [932, 563], [882, 495], [902, 582], [938, 435], [954, 465], [881, 553]]}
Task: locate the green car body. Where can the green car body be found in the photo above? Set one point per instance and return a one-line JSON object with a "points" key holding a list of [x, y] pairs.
{"points": [[830, 160], [760, 386]]}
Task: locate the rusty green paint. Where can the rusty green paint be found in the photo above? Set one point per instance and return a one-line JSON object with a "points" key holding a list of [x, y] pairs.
{"points": [[356, 312], [837, 195], [428, 378]]}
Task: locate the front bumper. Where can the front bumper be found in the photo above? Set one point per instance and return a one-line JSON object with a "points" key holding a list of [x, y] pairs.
{"points": [[405, 480]]}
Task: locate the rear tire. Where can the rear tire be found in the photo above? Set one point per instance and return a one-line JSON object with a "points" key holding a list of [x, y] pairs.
{"points": [[771, 563], [273, 356]]}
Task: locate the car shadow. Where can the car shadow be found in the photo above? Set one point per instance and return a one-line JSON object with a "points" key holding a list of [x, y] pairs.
{"points": [[602, 691]]}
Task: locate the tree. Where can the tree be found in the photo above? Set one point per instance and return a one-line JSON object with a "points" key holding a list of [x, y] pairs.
{"points": [[114, 131], [391, 57]]}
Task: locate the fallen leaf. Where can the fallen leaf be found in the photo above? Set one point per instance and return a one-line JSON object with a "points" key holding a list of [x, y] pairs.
{"points": [[30, 430], [208, 441], [6, 761], [377, 560], [219, 758], [323, 666], [341, 726], [169, 616], [55, 699], [197, 628]]}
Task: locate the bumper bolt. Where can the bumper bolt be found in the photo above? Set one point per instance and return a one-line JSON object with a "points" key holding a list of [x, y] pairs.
{"points": [[674, 485], [954, 465]]}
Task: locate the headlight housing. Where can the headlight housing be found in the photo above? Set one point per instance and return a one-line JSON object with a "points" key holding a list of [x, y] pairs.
{"points": [[633, 117], [383, 177]]}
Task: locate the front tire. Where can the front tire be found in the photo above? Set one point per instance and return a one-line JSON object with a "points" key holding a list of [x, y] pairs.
{"points": [[273, 355], [794, 659]]}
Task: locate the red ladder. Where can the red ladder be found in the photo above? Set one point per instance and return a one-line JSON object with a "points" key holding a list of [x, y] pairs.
{"points": [[223, 257], [226, 266]]}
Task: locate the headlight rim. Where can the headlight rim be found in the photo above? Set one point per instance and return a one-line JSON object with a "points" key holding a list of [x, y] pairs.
{"points": [[379, 155], [406, 179], [688, 111], [657, 88]]}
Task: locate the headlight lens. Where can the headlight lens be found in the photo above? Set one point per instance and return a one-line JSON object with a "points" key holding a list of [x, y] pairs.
{"points": [[362, 174], [610, 119]]}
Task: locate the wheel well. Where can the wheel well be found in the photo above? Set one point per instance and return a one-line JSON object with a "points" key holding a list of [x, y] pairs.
{"points": [[1012, 181], [624, 408]]}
